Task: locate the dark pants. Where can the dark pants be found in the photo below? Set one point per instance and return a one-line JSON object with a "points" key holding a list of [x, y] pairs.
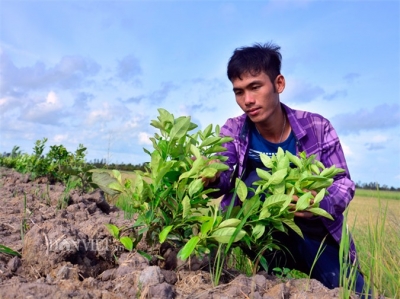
{"points": [[302, 255]]}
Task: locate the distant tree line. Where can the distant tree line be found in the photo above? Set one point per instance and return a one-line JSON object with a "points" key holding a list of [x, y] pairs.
{"points": [[375, 186], [102, 163]]}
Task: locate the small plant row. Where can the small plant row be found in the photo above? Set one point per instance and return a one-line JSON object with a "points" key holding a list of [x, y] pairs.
{"points": [[173, 206], [58, 164]]}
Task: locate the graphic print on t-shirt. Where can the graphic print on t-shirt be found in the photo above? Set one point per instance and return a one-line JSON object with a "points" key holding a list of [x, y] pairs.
{"points": [[255, 155]]}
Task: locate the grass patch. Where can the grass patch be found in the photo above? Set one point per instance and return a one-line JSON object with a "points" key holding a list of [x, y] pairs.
{"points": [[376, 231], [382, 194]]}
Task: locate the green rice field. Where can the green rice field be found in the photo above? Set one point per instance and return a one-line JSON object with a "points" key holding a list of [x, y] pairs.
{"points": [[373, 219]]}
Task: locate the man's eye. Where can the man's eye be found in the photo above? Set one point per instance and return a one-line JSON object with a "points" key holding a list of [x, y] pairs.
{"points": [[238, 93], [255, 87]]}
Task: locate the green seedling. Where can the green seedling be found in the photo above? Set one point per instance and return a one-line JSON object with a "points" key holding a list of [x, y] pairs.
{"points": [[7, 250]]}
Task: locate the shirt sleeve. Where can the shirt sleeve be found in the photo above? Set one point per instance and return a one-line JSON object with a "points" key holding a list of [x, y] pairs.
{"points": [[224, 181], [341, 192]]}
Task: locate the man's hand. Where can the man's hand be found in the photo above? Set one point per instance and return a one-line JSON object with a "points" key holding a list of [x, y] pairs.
{"points": [[301, 214], [207, 181]]}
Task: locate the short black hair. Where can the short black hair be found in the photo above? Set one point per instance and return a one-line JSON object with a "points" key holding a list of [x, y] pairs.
{"points": [[254, 60]]}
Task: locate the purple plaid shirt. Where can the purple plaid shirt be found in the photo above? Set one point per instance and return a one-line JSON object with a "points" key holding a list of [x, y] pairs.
{"points": [[314, 135]]}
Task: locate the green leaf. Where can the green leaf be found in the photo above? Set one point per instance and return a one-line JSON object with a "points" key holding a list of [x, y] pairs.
{"points": [[156, 124], [164, 233], [266, 160], [258, 231], [117, 175], [127, 242], [280, 154], [276, 199], [283, 163], [197, 165], [181, 189], [291, 224], [223, 235], [217, 130], [165, 116], [294, 159], [186, 207], [321, 184], [208, 172], [233, 222], [320, 212], [188, 249], [279, 188], [103, 179], [304, 201], [251, 205], [195, 186], [210, 141], [207, 131], [225, 139], [116, 186], [277, 177], [195, 151], [7, 250], [180, 128], [315, 169], [263, 174], [145, 255], [314, 178], [319, 164], [155, 162], [319, 196], [215, 149], [265, 213], [206, 226], [241, 189], [219, 166], [264, 263], [114, 231]]}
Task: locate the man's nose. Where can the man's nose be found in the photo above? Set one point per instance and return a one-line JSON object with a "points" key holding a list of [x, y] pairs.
{"points": [[248, 98]]}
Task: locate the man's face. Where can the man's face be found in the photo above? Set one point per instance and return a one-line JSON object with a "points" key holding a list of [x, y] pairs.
{"points": [[257, 96]]}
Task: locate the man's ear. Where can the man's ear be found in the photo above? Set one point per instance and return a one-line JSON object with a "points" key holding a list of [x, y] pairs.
{"points": [[280, 84]]}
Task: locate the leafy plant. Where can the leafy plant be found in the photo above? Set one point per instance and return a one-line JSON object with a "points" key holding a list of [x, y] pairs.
{"points": [[57, 165], [286, 273], [125, 240], [173, 205], [169, 196]]}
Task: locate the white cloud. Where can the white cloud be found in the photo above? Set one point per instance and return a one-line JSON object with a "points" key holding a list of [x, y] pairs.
{"points": [[379, 138], [49, 111], [52, 101], [70, 72], [128, 68], [346, 149], [299, 91], [9, 103], [380, 117], [144, 138], [59, 138], [107, 113]]}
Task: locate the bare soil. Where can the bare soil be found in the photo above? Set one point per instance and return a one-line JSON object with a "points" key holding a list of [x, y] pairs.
{"points": [[69, 253]]}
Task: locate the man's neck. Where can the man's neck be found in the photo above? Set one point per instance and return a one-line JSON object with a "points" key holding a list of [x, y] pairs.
{"points": [[277, 129]]}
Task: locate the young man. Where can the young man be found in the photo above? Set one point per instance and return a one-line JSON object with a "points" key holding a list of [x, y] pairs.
{"points": [[268, 124]]}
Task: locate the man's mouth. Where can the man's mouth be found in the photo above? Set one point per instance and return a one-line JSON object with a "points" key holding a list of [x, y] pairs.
{"points": [[253, 111]]}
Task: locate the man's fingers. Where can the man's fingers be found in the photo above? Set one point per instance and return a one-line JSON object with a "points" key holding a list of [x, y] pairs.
{"points": [[303, 214]]}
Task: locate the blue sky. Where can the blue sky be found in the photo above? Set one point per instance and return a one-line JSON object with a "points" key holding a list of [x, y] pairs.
{"points": [[95, 72]]}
